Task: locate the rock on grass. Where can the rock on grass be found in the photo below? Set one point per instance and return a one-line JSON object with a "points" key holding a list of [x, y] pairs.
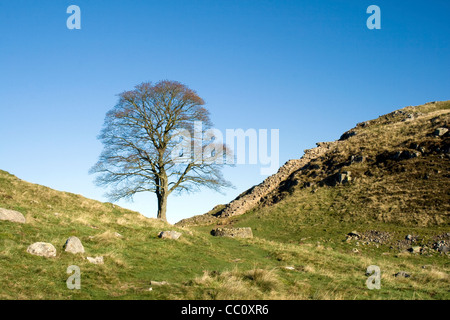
{"points": [[11, 215], [42, 249]]}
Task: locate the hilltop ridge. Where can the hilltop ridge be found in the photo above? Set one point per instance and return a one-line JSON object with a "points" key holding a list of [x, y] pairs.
{"points": [[374, 148]]}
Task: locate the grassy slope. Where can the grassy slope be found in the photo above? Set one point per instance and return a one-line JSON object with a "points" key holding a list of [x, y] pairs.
{"points": [[409, 196], [305, 230]]}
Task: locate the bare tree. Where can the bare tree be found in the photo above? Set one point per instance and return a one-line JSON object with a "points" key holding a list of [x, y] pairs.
{"points": [[140, 136]]}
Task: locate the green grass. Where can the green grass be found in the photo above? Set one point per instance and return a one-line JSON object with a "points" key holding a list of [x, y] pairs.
{"points": [[199, 266], [305, 230]]}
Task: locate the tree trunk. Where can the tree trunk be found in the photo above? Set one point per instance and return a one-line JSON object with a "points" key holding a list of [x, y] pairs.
{"points": [[162, 206]]}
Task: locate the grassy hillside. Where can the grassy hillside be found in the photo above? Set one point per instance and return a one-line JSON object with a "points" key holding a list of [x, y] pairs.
{"points": [[301, 225]]}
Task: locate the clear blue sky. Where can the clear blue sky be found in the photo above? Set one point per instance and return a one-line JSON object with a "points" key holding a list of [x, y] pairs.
{"points": [[309, 68]]}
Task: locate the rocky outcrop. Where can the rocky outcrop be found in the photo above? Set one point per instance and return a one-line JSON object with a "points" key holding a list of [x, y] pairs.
{"points": [[233, 232], [11, 215], [42, 249], [255, 195], [328, 164]]}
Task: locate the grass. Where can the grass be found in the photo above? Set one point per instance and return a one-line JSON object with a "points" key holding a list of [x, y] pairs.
{"points": [[299, 249]]}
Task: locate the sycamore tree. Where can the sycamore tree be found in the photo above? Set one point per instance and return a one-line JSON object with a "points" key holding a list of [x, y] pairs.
{"points": [[151, 143]]}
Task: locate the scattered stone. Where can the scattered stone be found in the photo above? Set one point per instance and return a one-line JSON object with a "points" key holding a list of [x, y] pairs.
{"points": [[344, 177], [406, 154], [96, 260], [289, 268], [118, 235], [427, 266], [353, 235], [42, 249], [174, 235], [73, 245], [442, 246], [411, 154], [415, 249], [11, 215], [355, 250], [356, 159], [158, 283], [233, 232], [409, 237], [363, 124], [439, 132], [403, 274]]}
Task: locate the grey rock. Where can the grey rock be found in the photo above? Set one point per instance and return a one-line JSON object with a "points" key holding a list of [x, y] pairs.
{"points": [[73, 245], [233, 232], [11, 215], [42, 249], [402, 274], [158, 283], [415, 249], [96, 260], [444, 249], [174, 235]]}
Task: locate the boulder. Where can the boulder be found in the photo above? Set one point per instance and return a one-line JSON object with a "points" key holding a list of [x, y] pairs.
{"points": [[233, 232], [73, 245], [11, 215], [96, 260], [42, 249], [174, 235]]}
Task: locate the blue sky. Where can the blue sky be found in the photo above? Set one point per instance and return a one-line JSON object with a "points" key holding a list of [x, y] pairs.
{"points": [[311, 69]]}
